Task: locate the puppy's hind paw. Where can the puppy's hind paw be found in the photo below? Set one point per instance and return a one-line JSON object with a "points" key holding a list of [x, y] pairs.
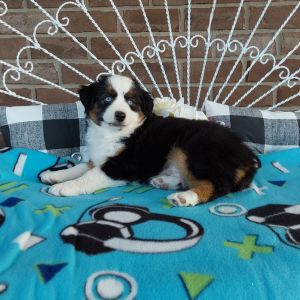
{"points": [[166, 182], [187, 199]]}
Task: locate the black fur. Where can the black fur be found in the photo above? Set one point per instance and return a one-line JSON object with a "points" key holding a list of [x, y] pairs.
{"points": [[88, 94], [146, 99], [214, 153]]}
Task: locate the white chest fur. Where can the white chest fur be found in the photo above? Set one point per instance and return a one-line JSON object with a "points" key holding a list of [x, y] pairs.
{"points": [[103, 143]]}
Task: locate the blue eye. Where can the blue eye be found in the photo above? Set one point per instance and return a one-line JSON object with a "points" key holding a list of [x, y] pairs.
{"points": [[130, 102], [107, 99]]}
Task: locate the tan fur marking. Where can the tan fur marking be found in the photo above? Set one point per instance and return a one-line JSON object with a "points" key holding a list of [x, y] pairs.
{"points": [[90, 164], [111, 90], [93, 114], [204, 190], [141, 115], [120, 150], [179, 158], [240, 174], [129, 94]]}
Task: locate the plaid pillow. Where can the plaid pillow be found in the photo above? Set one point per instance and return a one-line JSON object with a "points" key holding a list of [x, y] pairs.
{"points": [[263, 131], [57, 129]]}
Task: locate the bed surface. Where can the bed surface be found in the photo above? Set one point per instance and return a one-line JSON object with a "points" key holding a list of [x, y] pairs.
{"points": [[129, 243]]}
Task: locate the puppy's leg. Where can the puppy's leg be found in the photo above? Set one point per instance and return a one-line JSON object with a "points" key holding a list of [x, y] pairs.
{"points": [[49, 177], [203, 192], [91, 181], [166, 182], [168, 179]]}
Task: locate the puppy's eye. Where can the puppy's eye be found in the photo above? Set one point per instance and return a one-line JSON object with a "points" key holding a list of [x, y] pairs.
{"points": [[130, 102], [107, 99]]}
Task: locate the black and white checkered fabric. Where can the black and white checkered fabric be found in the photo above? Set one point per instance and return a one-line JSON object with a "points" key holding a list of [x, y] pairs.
{"points": [[263, 131], [57, 129]]}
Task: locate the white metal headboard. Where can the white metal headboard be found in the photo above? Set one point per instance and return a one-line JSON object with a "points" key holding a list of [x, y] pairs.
{"points": [[187, 41]]}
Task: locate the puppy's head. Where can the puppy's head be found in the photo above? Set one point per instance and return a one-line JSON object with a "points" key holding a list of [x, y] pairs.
{"points": [[116, 102]]}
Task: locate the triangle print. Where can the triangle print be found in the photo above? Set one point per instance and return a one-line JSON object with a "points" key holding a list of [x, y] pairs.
{"points": [[28, 240], [195, 283], [47, 271], [280, 183]]}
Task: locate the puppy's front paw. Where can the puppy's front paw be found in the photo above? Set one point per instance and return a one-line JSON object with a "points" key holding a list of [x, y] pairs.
{"points": [[47, 177], [66, 189], [187, 198]]}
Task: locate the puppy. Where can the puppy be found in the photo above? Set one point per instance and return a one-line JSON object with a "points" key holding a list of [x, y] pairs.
{"points": [[128, 144]]}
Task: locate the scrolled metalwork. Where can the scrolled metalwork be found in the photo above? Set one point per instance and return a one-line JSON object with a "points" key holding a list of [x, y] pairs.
{"points": [[153, 53], [3, 10]]}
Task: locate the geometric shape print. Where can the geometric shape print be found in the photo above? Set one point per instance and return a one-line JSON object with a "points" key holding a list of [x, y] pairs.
{"points": [[56, 211], [277, 165], [195, 283], [3, 288], [10, 187], [19, 166], [111, 287], [110, 230], [190, 295], [5, 149], [257, 189], [11, 202], [280, 216], [228, 210], [27, 240], [138, 189], [278, 183], [47, 271], [277, 217], [167, 204], [248, 247]]}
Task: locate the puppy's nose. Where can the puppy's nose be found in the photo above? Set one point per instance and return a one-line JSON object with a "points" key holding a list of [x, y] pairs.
{"points": [[120, 116]]}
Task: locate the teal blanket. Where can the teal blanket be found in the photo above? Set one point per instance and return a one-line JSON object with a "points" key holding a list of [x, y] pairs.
{"points": [[129, 243]]}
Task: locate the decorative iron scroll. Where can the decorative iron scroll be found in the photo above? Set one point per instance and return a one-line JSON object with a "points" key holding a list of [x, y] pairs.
{"points": [[57, 23]]}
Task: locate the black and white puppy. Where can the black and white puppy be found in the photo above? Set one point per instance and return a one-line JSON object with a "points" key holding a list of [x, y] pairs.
{"points": [[128, 144]]}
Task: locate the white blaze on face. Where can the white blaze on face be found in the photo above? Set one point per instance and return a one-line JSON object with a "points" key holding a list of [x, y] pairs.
{"points": [[121, 85]]}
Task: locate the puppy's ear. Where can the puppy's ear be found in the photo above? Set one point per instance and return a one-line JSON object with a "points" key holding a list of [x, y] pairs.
{"points": [[147, 100], [87, 96], [147, 103]]}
